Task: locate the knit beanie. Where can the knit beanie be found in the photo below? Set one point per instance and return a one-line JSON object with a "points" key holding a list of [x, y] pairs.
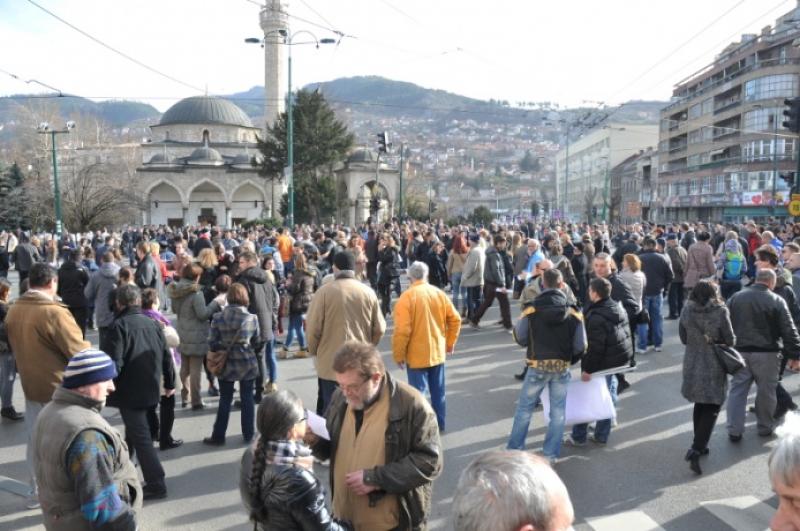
{"points": [[87, 367], [345, 261]]}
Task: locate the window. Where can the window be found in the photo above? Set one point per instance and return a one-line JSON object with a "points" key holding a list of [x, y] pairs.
{"points": [[733, 182], [706, 188], [761, 119], [708, 105], [693, 186], [695, 111], [774, 86], [719, 184]]}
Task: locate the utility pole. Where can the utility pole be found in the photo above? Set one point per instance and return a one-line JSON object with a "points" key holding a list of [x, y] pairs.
{"points": [[44, 128], [400, 198]]}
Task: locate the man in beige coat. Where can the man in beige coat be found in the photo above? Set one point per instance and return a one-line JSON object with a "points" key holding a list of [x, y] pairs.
{"points": [[340, 311], [43, 336]]}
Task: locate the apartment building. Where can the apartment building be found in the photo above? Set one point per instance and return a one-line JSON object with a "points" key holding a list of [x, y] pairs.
{"points": [[583, 167], [721, 146]]}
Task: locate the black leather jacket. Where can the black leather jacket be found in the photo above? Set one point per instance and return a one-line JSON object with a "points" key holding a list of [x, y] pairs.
{"points": [[762, 322], [293, 497]]}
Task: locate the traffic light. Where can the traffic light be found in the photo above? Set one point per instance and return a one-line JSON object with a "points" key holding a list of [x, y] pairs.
{"points": [[792, 113], [383, 142], [788, 178]]}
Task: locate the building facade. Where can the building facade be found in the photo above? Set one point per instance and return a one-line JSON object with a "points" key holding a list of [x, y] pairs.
{"points": [[721, 144], [583, 167], [198, 167]]}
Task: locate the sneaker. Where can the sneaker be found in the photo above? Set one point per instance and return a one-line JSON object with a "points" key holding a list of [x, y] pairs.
{"points": [[155, 493], [32, 502], [641, 350], [214, 442], [734, 438], [213, 391], [474, 325], [595, 440], [569, 441], [322, 462], [658, 349], [300, 354], [270, 387]]}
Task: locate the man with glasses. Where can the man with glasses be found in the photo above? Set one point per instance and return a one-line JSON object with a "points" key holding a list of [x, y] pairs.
{"points": [[384, 446]]}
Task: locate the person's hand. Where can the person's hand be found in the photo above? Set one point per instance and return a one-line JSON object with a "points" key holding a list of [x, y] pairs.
{"points": [[402, 365], [355, 482], [793, 365], [585, 376], [449, 351], [169, 392]]}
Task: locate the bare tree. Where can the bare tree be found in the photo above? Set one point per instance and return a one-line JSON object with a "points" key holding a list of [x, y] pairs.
{"points": [[98, 195]]}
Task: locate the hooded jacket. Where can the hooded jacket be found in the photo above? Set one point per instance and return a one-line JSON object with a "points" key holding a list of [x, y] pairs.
{"points": [[551, 329], [72, 279], [608, 335], [193, 315], [98, 293], [263, 299]]}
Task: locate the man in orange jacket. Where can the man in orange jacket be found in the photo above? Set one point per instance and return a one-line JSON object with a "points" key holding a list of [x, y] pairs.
{"points": [[426, 327]]}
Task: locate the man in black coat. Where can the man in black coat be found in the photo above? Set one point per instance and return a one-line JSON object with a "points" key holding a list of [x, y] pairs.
{"points": [[629, 247], [147, 273], [72, 279], [608, 335], [658, 272], [25, 255], [372, 258], [137, 345], [264, 305]]}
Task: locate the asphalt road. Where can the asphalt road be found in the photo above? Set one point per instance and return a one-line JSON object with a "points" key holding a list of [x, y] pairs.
{"points": [[638, 481]]}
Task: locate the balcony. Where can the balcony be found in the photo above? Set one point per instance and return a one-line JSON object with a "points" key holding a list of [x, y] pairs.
{"points": [[726, 105]]}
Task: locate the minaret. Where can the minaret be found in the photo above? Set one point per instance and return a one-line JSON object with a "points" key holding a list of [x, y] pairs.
{"points": [[275, 25]]}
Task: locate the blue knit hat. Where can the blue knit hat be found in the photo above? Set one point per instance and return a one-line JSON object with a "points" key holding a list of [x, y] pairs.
{"points": [[87, 367]]}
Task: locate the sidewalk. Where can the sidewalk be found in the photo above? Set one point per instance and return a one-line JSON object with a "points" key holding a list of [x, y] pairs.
{"points": [[13, 514]]}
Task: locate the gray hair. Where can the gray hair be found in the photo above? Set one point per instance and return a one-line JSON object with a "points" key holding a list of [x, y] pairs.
{"points": [[418, 271], [766, 276], [784, 460], [504, 490]]}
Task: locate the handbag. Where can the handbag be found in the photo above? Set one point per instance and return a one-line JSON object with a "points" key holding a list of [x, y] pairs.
{"points": [[728, 357], [171, 335], [216, 360], [643, 317]]}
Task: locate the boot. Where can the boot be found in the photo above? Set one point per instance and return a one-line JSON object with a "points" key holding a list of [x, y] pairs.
{"points": [[693, 456], [302, 353]]}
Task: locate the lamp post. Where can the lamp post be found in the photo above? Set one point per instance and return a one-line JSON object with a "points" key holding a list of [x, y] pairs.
{"points": [[44, 129], [289, 170]]}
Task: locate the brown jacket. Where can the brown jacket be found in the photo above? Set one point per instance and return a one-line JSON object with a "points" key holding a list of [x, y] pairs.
{"points": [[413, 452], [43, 336], [340, 311]]}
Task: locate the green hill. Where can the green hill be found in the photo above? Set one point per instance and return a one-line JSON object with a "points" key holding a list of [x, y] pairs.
{"points": [[117, 113]]}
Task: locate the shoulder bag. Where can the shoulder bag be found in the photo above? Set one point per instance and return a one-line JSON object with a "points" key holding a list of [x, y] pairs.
{"points": [[728, 357], [216, 360]]}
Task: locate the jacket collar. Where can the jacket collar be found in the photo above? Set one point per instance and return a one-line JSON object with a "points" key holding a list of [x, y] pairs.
{"points": [[68, 396], [395, 410], [346, 273]]}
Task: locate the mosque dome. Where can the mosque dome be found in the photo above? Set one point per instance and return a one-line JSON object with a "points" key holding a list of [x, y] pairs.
{"points": [[205, 156], [205, 110], [363, 155]]}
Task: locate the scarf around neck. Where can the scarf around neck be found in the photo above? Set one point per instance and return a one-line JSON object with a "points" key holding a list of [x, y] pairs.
{"points": [[289, 453]]}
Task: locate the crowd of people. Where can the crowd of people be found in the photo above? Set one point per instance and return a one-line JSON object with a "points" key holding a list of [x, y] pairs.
{"points": [[172, 305]]}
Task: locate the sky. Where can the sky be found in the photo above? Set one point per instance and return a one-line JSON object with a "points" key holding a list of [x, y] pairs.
{"points": [[570, 52]]}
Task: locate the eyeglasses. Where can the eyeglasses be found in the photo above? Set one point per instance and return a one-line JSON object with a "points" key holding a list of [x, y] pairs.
{"points": [[352, 388], [303, 419]]}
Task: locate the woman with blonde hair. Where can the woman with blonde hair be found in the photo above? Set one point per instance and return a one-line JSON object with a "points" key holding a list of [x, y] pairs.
{"points": [[355, 246]]}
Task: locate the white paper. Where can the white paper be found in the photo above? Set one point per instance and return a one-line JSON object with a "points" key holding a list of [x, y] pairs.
{"points": [[586, 402], [317, 425]]}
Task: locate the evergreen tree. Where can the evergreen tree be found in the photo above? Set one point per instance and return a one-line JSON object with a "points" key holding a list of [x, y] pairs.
{"points": [[529, 162], [320, 141], [12, 198]]}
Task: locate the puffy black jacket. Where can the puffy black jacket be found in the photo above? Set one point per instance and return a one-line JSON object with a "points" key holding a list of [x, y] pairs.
{"points": [[72, 279], [437, 266], [137, 345], [389, 262], [494, 269], [657, 270], [620, 292], [292, 497], [762, 322], [263, 299], [551, 329], [608, 335], [147, 273], [300, 290]]}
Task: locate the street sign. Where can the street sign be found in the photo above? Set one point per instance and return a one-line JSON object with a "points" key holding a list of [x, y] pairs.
{"points": [[794, 208]]}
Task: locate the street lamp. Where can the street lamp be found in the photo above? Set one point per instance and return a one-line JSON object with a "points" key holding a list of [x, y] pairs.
{"points": [[289, 171], [44, 129]]}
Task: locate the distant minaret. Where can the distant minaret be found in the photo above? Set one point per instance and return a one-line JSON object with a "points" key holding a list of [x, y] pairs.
{"points": [[273, 20]]}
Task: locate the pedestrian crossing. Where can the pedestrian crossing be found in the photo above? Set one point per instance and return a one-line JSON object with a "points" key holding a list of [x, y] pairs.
{"points": [[741, 513]]}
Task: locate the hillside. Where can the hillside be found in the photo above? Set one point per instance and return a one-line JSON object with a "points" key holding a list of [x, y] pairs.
{"points": [[116, 113]]}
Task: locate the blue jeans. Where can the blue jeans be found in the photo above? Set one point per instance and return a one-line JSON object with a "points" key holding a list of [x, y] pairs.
{"points": [[8, 373], [455, 284], [296, 327], [653, 305], [430, 379], [535, 383], [325, 390], [224, 410], [272, 362], [602, 428], [473, 300]]}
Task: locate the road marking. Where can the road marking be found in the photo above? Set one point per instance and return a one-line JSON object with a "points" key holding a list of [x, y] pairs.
{"points": [[637, 520], [13, 486], [743, 513]]}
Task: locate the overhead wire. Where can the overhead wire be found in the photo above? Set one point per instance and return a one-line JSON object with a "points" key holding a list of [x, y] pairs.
{"points": [[115, 50]]}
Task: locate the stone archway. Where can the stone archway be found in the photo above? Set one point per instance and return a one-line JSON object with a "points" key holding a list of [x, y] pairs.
{"points": [[355, 179], [366, 192], [248, 201], [165, 205], [207, 204]]}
